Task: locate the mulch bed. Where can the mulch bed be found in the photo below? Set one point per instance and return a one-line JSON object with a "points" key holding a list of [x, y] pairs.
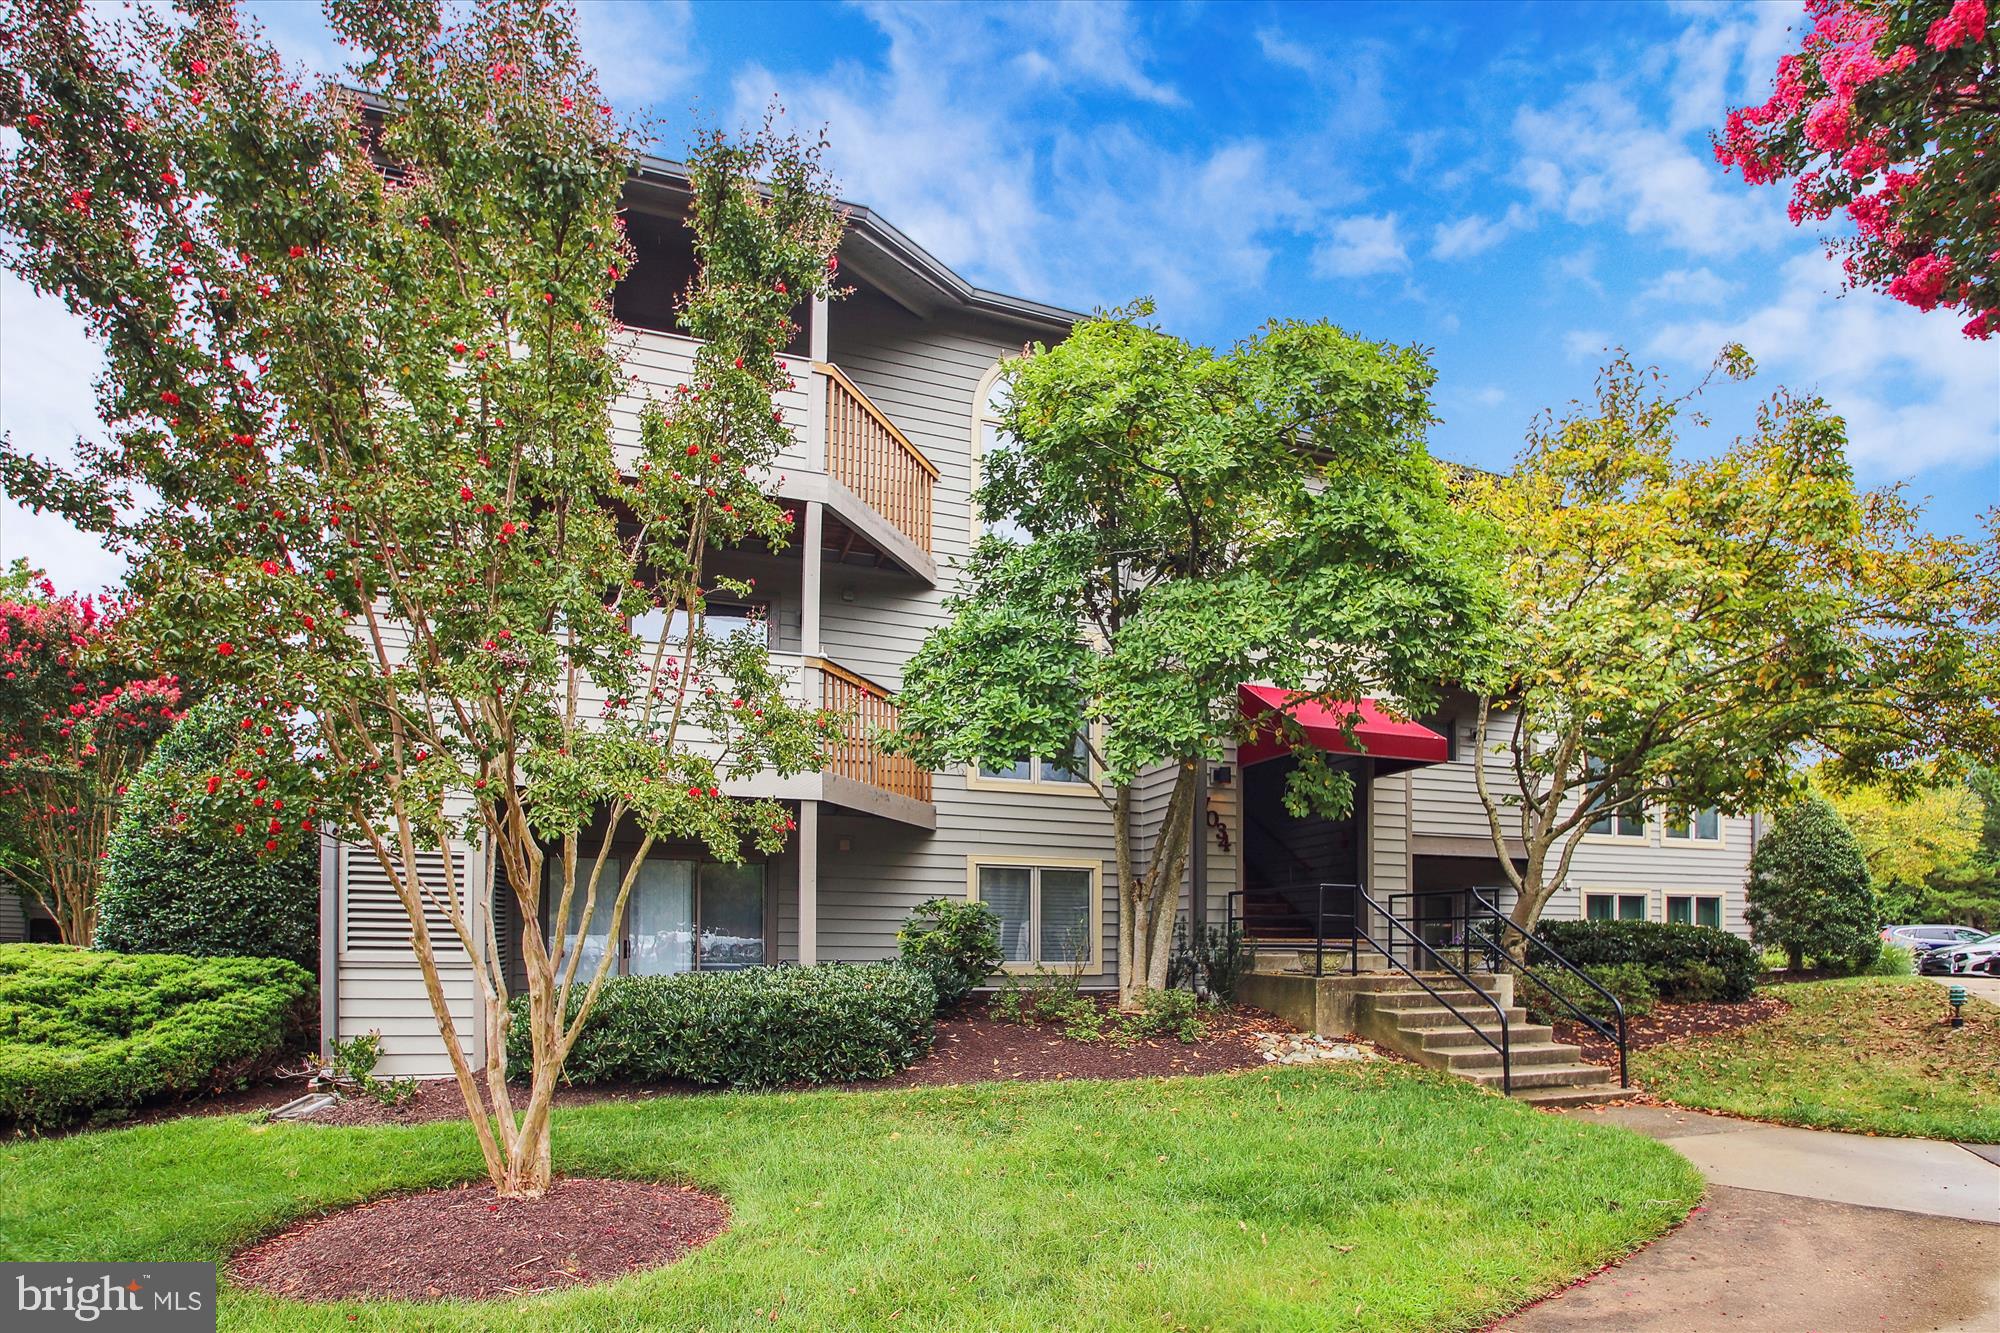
{"points": [[466, 1244], [1671, 1022], [976, 1048], [971, 1047]]}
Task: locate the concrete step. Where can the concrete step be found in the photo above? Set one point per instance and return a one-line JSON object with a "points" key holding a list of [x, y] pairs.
{"points": [[1419, 999], [1440, 1039], [1478, 1015], [1525, 1055], [1557, 1098], [1544, 1076]]}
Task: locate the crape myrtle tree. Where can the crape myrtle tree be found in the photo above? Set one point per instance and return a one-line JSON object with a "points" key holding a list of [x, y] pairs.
{"points": [[1168, 524], [360, 360], [1888, 111], [77, 718], [1678, 632]]}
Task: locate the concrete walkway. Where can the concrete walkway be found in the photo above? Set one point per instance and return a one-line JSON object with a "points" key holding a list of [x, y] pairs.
{"points": [[1802, 1232]]}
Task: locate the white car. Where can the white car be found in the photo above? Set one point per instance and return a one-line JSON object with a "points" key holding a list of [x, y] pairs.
{"points": [[1976, 956]]}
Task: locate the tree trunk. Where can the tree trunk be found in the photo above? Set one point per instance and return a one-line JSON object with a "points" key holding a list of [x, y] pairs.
{"points": [[1149, 902], [1795, 958]]}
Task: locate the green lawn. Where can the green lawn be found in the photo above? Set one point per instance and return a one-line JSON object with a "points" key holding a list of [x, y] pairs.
{"points": [[1869, 1054], [1368, 1197]]}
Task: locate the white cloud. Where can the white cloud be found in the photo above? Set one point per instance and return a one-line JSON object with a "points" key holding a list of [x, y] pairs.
{"points": [[644, 54], [1281, 50], [1915, 392], [1578, 269], [973, 157], [1475, 233], [1359, 247], [1619, 167], [47, 367], [1491, 395], [1726, 56], [1688, 286], [1587, 344]]}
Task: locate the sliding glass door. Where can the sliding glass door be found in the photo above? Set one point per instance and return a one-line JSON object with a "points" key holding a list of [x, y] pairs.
{"points": [[682, 916]]}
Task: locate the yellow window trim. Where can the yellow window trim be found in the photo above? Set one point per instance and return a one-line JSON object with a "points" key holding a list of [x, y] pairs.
{"points": [[1094, 967]]}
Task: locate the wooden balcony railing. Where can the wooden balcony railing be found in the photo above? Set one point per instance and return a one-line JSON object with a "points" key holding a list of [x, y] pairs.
{"points": [[869, 456], [869, 710]]}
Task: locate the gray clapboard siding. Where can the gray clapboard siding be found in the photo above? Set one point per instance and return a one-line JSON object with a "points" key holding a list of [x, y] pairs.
{"points": [[13, 920], [381, 987]]}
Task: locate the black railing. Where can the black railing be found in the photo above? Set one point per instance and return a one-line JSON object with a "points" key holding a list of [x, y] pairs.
{"points": [[1351, 931], [1498, 924]]}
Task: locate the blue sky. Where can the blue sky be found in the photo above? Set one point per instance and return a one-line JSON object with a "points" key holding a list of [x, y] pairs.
{"points": [[1518, 187]]}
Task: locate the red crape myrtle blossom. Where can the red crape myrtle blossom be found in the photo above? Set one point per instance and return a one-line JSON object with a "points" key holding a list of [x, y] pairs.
{"points": [[358, 446], [1891, 112], [75, 724]]}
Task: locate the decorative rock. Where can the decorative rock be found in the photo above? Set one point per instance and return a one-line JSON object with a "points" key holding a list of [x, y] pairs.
{"points": [[1304, 1048]]}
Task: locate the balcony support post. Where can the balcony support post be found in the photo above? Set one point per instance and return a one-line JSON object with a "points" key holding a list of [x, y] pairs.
{"points": [[806, 844], [814, 558], [816, 345]]}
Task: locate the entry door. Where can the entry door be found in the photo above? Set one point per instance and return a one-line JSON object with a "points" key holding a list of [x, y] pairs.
{"points": [[681, 916]]}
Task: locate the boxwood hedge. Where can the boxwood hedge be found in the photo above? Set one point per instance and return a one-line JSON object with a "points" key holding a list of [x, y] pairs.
{"points": [[83, 1032], [759, 1027], [1677, 958]]}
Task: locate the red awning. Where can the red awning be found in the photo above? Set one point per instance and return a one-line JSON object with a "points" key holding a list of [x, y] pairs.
{"points": [[1392, 744]]}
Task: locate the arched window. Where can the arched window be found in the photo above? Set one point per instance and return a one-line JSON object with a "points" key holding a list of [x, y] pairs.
{"points": [[988, 438]]}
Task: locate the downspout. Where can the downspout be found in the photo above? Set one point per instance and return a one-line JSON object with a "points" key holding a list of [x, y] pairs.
{"points": [[1198, 860]]}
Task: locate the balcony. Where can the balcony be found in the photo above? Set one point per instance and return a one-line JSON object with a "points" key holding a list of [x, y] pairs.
{"points": [[868, 455], [869, 711]]}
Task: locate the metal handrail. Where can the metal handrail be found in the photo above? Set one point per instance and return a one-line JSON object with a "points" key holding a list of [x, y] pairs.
{"points": [[1506, 923], [1504, 1046], [1356, 936]]}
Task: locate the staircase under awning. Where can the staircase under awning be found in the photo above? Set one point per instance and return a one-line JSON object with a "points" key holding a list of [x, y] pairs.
{"points": [[1393, 744]]}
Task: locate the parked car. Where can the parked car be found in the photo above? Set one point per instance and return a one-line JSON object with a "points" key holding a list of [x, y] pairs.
{"points": [[1921, 939], [1973, 957]]}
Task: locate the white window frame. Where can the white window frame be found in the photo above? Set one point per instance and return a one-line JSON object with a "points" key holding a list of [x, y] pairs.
{"points": [[980, 419], [1094, 965], [1694, 908], [1644, 895], [1669, 838]]}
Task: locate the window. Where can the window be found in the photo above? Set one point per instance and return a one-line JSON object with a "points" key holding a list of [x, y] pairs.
{"points": [[1069, 771], [1049, 910], [989, 439], [1623, 824], [721, 620], [1692, 911], [681, 917], [1627, 821], [1444, 724], [1701, 826], [1614, 906]]}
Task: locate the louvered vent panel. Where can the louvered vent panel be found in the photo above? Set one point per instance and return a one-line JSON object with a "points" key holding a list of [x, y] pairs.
{"points": [[373, 916]]}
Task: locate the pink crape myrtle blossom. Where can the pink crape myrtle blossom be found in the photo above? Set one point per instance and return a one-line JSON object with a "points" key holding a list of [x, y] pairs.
{"points": [[1889, 112]]}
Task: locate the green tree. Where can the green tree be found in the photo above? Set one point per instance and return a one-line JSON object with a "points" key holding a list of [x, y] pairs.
{"points": [[170, 886], [1809, 892], [1676, 630], [1188, 522], [361, 359], [1923, 849]]}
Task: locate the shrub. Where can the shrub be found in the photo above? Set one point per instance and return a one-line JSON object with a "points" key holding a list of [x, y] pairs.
{"points": [[1172, 1011], [1210, 962], [1893, 961], [957, 944], [1632, 983], [1809, 892], [354, 1062], [169, 889], [1663, 947], [84, 1032], [1691, 983], [757, 1028]]}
